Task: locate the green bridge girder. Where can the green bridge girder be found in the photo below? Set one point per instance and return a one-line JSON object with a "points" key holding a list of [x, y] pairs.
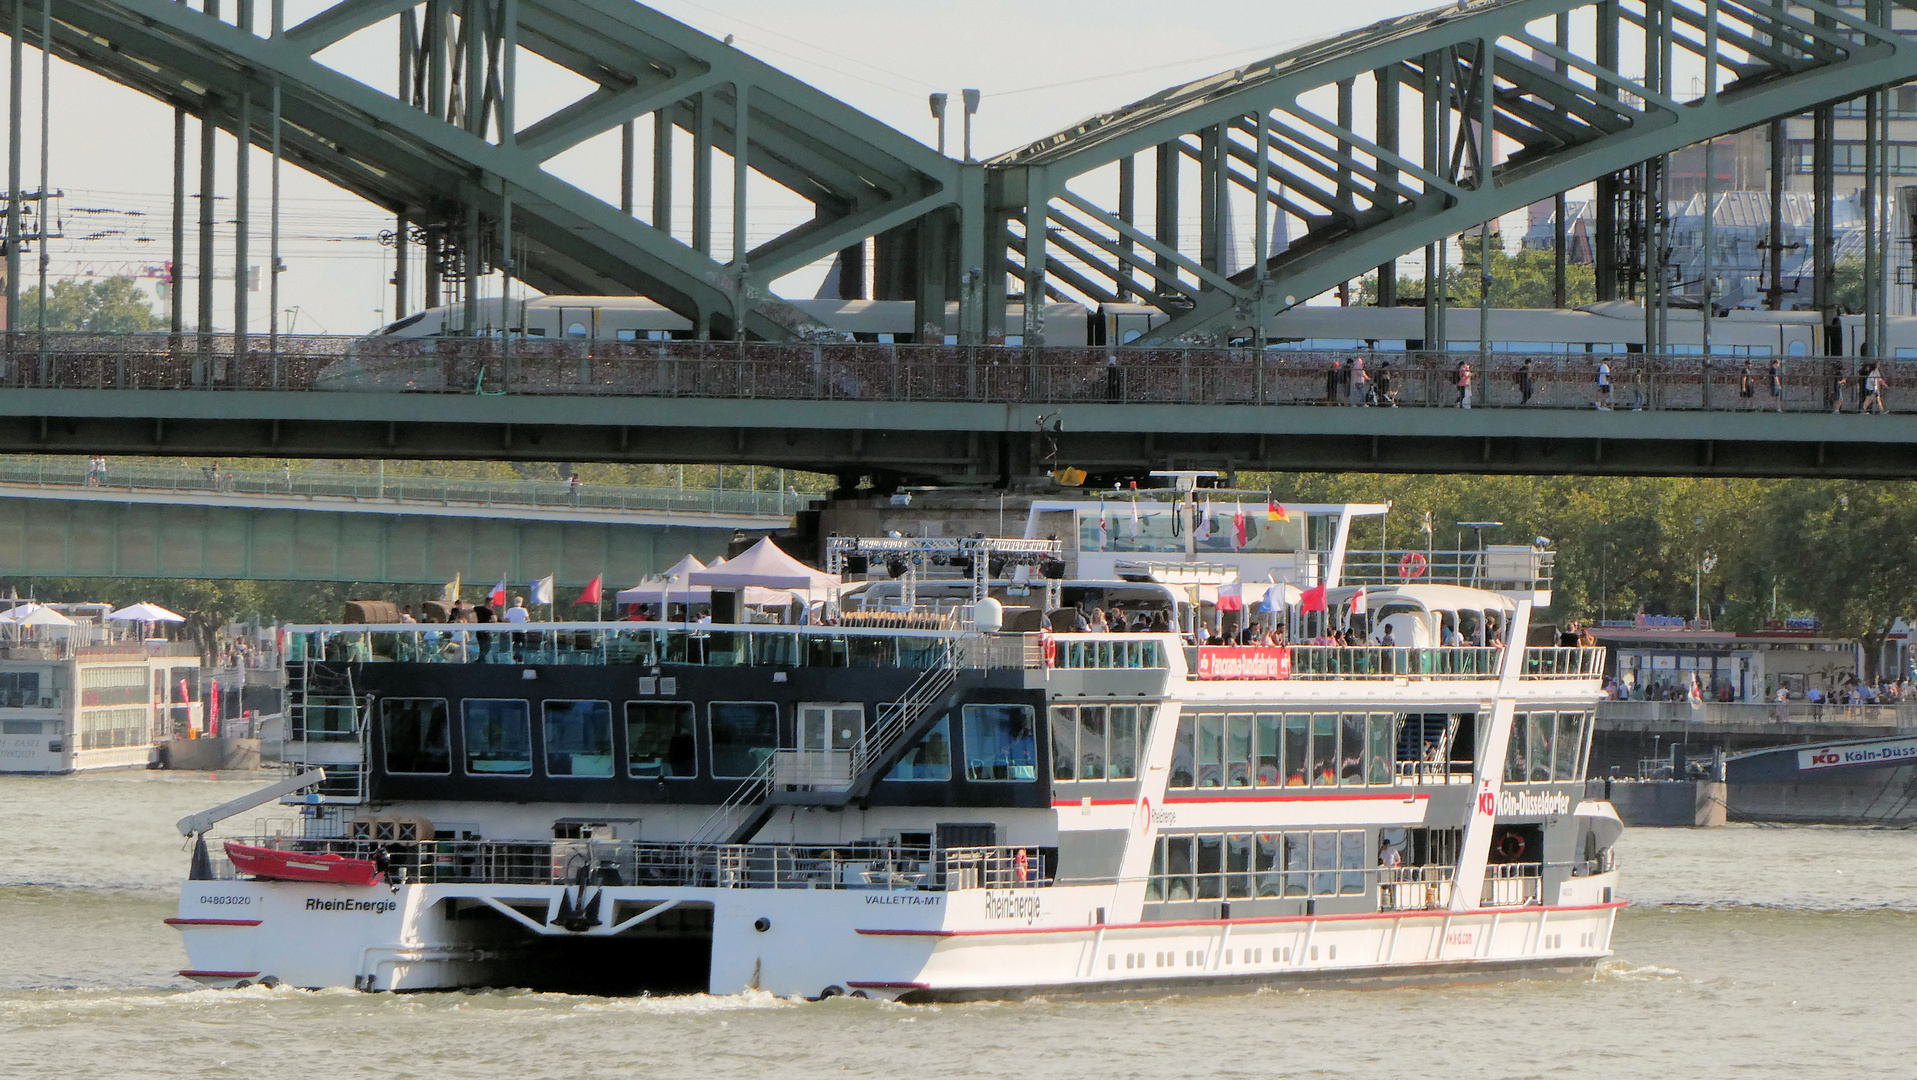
{"points": [[1575, 91], [963, 441], [91, 535]]}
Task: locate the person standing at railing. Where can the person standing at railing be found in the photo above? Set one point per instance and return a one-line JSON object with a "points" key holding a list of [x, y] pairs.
{"points": [[572, 489], [1461, 376], [1776, 380], [1873, 400], [1746, 385], [1603, 401], [1522, 377], [1360, 382]]}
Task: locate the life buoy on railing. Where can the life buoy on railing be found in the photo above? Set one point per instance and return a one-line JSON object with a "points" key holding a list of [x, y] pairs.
{"points": [[1047, 647], [1020, 866], [1412, 565], [1511, 847]]}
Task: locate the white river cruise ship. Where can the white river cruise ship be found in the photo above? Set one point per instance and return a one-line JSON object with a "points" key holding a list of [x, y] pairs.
{"points": [[943, 788]]}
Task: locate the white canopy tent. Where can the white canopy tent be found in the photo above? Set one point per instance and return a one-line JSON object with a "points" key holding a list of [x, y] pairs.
{"points": [[765, 566], [145, 612], [669, 587]]}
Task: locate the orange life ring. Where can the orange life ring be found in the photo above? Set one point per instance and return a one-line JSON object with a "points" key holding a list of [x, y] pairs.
{"points": [[1412, 565], [1511, 846], [1020, 865], [1047, 646]]}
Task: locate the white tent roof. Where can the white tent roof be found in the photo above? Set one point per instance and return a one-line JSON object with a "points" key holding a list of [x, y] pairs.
{"points": [[15, 614], [764, 565], [41, 615], [144, 612], [655, 590]]}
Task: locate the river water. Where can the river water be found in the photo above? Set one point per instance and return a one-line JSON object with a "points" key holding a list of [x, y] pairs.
{"points": [[1749, 952]]}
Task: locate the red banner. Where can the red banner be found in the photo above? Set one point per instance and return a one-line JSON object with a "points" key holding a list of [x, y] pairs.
{"points": [[1244, 662]]}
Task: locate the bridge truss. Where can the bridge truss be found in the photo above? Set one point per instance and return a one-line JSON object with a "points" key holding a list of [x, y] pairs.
{"points": [[1379, 143]]}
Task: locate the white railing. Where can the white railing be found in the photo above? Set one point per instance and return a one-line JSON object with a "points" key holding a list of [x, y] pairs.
{"points": [[1513, 884]]}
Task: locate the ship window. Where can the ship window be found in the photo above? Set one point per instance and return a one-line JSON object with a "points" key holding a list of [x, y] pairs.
{"points": [[1091, 742], [1178, 867], [1324, 859], [1000, 743], [1211, 863], [1211, 750], [498, 736], [931, 759], [417, 735], [1265, 853], [1238, 883], [1514, 763], [1324, 750], [1268, 755], [1125, 728], [744, 734], [1351, 764], [1238, 750], [1297, 749], [1380, 752], [1182, 774], [1565, 758], [578, 738], [1542, 730], [1155, 884], [1297, 862], [1351, 859], [1065, 742], [659, 740]]}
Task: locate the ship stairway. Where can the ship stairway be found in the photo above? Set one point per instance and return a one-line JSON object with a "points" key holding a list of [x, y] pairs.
{"points": [[314, 690], [835, 778]]}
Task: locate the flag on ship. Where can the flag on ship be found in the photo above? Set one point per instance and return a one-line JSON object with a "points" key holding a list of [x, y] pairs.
{"points": [[1231, 597], [591, 595], [1240, 534], [1202, 530], [498, 596], [451, 592], [542, 590], [1275, 512], [1312, 599]]}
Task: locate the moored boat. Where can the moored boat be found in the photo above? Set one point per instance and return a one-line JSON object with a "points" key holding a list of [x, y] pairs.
{"points": [[974, 795]]}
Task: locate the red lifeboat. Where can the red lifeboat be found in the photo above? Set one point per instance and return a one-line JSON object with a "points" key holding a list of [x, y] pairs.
{"points": [[273, 864]]}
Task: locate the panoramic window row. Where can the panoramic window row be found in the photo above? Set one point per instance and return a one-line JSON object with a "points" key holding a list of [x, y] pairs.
{"points": [[663, 740], [1548, 747], [1241, 866], [1282, 750], [1099, 742]]}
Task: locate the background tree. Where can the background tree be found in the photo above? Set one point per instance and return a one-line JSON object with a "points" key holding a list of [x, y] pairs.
{"points": [[94, 306], [1523, 280]]}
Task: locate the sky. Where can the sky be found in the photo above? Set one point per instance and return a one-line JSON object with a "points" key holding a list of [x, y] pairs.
{"points": [[1041, 67]]}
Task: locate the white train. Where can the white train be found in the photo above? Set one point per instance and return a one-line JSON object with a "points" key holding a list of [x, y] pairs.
{"points": [[1605, 327]]}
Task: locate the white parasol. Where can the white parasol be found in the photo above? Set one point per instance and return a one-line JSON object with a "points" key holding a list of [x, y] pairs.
{"points": [[144, 612]]}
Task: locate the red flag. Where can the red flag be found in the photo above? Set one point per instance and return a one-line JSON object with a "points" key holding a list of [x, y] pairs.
{"points": [[1231, 597], [1312, 599], [591, 595], [498, 595], [1238, 527]]}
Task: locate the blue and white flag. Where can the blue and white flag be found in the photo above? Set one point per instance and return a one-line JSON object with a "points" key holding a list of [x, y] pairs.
{"points": [[542, 590]]}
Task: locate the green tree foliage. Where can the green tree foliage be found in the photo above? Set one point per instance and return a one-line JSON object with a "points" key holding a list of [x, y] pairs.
{"points": [[97, 306], [1523, 280]]}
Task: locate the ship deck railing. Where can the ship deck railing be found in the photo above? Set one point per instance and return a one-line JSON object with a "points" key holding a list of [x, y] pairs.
{"points": [[1397, 888], [1344, 662], [889, 868]]}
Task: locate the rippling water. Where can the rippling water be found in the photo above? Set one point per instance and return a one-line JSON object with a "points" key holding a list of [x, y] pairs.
{"points": [[1750, 952]]}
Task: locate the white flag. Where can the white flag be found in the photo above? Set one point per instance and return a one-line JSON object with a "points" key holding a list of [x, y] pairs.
{"points": [[1203, 529], [542, 590], [1104, 528], [1134, 519]]}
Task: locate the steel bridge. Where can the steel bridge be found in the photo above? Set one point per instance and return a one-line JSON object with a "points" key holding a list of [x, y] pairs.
{"points": [[250, 526], [977, 415], [1472, 111]]}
